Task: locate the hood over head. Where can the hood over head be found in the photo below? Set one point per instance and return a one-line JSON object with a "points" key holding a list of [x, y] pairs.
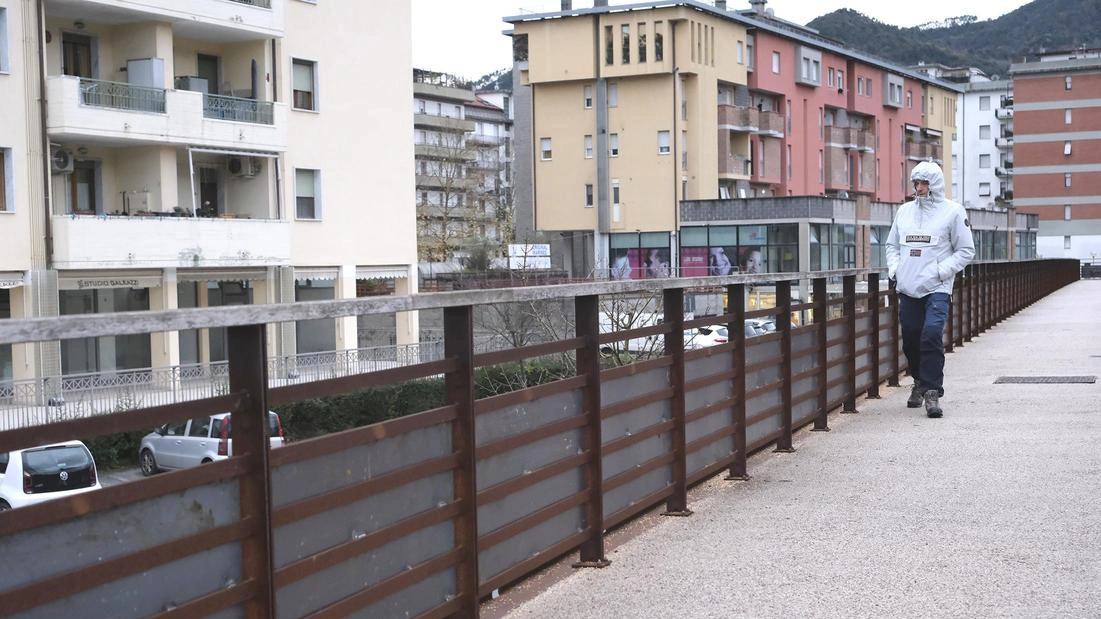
{"points": [[931, 172]]}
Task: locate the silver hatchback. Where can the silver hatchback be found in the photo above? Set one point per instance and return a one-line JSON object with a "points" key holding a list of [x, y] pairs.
{"points": [[194, 442]]}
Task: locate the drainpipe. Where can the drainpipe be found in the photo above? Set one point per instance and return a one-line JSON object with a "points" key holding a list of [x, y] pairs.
{"points": [[46, 179], [675, 266]]}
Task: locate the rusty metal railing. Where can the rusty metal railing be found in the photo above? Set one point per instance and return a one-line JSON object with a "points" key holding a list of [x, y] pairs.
{"points": [[428, 514]]}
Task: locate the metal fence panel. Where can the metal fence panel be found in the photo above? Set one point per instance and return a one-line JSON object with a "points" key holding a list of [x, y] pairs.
{"points": [[60, 548]]}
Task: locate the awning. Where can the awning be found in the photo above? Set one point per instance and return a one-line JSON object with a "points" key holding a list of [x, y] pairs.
{"points": [[10, 279], [382, 272], [120, 279], [914, 128], [933, 132], [234, 153], [316, 273], [221, 275]]}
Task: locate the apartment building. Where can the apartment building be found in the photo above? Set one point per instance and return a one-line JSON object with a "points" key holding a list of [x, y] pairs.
{"points": [[463, 157], [222, 154], [1057, 151], [638, 108]]}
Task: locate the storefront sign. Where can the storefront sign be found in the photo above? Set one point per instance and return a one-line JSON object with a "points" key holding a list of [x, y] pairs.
{"points": [[92, 283]]}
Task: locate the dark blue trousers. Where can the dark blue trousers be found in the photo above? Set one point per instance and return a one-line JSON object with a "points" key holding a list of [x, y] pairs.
{"points": [[923, 337]]}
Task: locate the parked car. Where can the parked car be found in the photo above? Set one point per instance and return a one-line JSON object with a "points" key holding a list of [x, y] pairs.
{"points": [[37, 474], [762, 325], [194, 442], [702, 337]]}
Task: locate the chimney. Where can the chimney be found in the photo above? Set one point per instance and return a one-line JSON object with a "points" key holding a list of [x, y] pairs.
{"points": [[567, 5], [720, 4], [758, 6], [597, 3]]}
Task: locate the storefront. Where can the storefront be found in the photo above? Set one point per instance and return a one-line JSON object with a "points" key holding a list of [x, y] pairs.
{"points": [[640, 255], [8, 281], [723, 250], [122, 292]]}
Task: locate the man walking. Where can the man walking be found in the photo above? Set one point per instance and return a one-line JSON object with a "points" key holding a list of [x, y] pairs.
{"points": [[930, 242]]}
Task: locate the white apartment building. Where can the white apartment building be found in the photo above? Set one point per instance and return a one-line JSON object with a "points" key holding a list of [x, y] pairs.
{"points": [[983, 177], [198, 154]]}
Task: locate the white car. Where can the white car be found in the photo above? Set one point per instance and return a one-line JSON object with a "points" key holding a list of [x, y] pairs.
{"points": [[29, 476], [194, 442], [702, 337]]}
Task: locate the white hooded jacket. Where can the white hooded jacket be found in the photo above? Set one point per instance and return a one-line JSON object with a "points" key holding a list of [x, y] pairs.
{"points": [[930, 240]]}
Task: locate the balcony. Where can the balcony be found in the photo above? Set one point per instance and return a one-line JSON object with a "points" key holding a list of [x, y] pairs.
{"points": [[1004, 171], [921, 151], [1007, 101], [772, 124], [97, 110], [439, 151], [443, 123], [159, 240], [1004, 113], [734, 118], [735, 167], [840, 137], [1004, 142], [214, 20]]}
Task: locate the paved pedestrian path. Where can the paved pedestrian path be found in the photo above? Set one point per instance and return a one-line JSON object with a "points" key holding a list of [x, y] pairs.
{"points": [[992, 511]]}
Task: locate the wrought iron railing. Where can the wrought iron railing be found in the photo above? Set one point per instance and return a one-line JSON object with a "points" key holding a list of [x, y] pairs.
{"points": [[237, 109], [38, 401], [121, 96]]}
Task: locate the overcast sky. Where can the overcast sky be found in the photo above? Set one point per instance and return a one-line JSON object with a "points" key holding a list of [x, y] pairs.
{"points": [[464, 37]]}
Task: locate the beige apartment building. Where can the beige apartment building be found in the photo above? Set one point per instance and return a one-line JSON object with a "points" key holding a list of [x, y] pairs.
{"points": [[639, 108], [222, 153]]}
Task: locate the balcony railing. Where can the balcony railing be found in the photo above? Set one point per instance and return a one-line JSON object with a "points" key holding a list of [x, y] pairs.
{"points": [[221, 107], [121, 96], [39, 401], [264, 4]]}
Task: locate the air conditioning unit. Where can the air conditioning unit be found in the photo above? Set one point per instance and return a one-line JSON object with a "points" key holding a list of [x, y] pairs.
{"points": [[244, 167], [61, 160]]}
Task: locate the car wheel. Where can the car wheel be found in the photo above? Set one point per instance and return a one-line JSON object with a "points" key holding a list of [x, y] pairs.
{"points": [[148, 462], [4, 506], [206, 461]]}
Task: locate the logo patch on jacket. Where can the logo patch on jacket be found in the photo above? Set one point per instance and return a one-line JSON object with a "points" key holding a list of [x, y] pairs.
{"points": [[916, 253], [919, 238]]}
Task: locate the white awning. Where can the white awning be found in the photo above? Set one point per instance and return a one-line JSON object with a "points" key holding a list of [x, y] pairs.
{"points": [[221, 275], [11, 279], [315, 273], [933, 132], [234, 153], [120, 279], [914, 128], [382, 272]]}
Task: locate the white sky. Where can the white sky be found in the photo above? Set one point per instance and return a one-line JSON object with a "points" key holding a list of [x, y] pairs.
{"points": [[464, 37]]}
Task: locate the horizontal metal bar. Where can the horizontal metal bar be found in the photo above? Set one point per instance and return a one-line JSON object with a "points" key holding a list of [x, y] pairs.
{"points": [[503, 489], [643, 504], [611, 410], [649, 431], [633, 473], [527, 437], [528, 394], [532, 520], [521, 569], [712, 468], [207, 605]]}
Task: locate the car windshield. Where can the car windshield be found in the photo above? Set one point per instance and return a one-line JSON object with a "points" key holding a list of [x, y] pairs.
{"points": [[53, 459]]}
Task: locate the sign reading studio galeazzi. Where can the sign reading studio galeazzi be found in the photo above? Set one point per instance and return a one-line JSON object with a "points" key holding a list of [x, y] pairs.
{"points": [[10, 283], [83, 284]]}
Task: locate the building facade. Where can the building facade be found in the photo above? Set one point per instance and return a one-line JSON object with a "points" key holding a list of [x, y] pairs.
{"points": [[186, 159], [1057, 150], [636, 109]]}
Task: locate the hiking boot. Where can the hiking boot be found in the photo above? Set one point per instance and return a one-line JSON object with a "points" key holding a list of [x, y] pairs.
{"points": [[932, 404], [916, 397]]}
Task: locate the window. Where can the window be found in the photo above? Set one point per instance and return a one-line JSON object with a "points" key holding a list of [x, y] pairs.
{"points": [[659, 52], [613, 144], [829, 76], [840, 80], [868, 87], [984, 189], [1066, 148], [613, 94], [821, 168], [545, 149], [749, 52], [741, 52], [588, 97], [588, 196], [1068, 84], [1066, 242], [6, 193], [609, 46], [588, 147], [625, 42], [307, 205], [305, 84], [984, 102], [909, 99], [1066, 212], [642, 42], [984, 161], [684, 151], [1068, 116], [5, 60], [775, 62], [984, 132], [859, 85], [663, 142], [1066, 180], [616, 218]]}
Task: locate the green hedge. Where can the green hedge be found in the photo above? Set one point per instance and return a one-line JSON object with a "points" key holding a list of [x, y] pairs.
{"points": [[320, 416]]}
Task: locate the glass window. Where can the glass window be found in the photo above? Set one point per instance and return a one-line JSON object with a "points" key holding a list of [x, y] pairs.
{"points": [[5, 58], [305, 193], [984, 189], [1066, 147], [304, 77], [775, 62], [613, 144], [663, 142], [659, 52], [545, 150], [613, 94], [1066, 212], [1068, 83], [984, 132], [588, 96], [609, 46], [588, 147], [6, 193], [984, 161], [1068, 116], [625, 42], [642, 42], [589, 196], [315, 335], [984, 102]]}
